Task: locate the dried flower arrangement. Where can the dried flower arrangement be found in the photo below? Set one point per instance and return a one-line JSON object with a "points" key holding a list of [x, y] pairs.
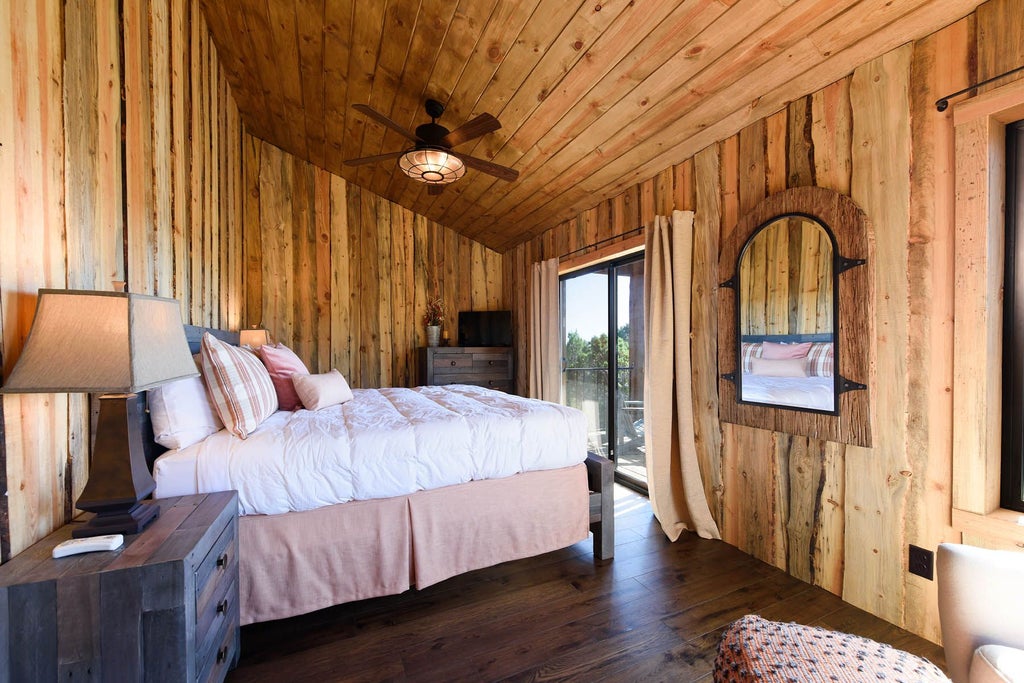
{"points": [[435, 312]]}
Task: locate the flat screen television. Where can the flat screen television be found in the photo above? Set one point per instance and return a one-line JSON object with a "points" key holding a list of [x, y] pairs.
{"points": [[485, 328]]}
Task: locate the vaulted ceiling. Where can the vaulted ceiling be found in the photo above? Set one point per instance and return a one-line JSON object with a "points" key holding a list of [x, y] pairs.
{"points": [[593, 96]]}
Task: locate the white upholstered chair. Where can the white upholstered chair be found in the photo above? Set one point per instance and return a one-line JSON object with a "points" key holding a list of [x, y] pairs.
{"points": [[981, 609]]}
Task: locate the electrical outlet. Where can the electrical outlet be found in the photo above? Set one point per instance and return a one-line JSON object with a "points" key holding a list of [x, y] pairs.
{"points": [[922, 562]]}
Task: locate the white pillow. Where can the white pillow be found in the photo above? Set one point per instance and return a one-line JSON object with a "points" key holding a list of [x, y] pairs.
{"points": [[181, 413], [321, 391]]}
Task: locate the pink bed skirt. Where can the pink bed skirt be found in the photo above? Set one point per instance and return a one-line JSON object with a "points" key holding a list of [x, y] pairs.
{"points": [[300, 562]]}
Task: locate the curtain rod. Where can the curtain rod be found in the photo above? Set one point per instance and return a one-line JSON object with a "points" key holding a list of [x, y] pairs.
{"points": [[943, 103], [606, 239]]}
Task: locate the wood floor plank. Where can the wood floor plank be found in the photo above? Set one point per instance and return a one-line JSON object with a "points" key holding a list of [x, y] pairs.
{"points": [[655, 612]]}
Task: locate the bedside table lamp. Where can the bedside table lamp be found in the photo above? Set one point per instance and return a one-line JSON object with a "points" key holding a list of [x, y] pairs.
{"points": [[117, 344], [254, 337]]}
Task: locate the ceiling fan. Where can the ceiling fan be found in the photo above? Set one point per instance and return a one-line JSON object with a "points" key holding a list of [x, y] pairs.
{"points": [[431, 159]]}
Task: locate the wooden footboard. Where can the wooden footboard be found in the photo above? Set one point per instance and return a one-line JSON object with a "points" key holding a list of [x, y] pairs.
{"points": [[601, 480]]}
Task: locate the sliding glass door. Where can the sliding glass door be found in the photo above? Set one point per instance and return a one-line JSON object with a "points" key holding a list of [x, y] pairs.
{"points": [[603, 360]]}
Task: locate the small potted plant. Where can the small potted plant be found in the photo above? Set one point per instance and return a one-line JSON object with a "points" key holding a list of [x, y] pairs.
{"points": [[433, 320]]}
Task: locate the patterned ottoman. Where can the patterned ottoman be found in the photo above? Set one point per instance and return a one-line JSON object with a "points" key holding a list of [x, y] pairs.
{"points": [[755, 649]]}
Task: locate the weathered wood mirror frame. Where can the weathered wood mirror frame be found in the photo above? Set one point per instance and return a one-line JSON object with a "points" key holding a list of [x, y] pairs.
{"points": [[851, 229]]}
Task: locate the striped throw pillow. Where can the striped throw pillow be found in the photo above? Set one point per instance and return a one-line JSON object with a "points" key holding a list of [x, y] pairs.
{"points": [[821, 359], [240, 387], [750, 350]]}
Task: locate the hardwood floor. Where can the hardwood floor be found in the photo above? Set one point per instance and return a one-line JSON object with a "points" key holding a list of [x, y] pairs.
{"points": [[655, 612]]}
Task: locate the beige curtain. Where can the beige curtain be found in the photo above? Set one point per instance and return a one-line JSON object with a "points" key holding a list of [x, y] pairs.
{"points": [[545, 333], [673, 474]]}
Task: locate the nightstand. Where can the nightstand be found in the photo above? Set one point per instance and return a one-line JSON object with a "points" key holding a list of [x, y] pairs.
{"points": [[163, 607]]}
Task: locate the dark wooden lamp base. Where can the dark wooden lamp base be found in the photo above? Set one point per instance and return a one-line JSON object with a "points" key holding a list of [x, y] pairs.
{"points": [[119, 475], [131, 522]]}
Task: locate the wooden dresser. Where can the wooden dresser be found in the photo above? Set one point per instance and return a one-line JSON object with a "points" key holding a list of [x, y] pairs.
{"points": [[484, 366], [163, 607]]}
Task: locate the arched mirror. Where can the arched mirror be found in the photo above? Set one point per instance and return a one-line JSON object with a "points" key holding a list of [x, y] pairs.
{"points": [[795, 328], [787, 313]]}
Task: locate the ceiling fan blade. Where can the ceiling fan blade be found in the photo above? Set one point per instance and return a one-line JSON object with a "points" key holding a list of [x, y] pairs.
{"points": [[435, 189], [503, 172], [380, 118], [369, 160], [474, 128]]}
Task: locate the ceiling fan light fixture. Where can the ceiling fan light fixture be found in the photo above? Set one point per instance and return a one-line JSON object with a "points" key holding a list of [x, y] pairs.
{"points": [[432, 165]]}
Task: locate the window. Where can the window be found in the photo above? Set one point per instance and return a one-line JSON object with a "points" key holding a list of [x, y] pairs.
{"points": [[602, 304], [1012, 473]]}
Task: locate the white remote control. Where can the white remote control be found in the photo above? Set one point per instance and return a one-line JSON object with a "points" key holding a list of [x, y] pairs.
{"points": [[75, 546]]}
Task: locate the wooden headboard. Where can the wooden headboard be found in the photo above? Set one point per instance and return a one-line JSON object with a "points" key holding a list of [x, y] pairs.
{"points": [[193, 334]]}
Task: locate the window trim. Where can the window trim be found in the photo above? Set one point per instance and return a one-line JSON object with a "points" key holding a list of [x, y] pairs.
{"points": [[979, 128], [1011, 481]]}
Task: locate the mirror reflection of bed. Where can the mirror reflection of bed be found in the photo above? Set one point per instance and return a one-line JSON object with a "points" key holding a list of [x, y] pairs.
{"points": [[787, 316]]}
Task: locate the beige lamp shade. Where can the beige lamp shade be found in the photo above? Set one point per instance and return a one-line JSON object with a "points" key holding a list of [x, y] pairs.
{"points": [[91, 341], [254, 337]]}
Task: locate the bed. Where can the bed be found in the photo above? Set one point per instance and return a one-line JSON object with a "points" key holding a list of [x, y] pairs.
{"points": [[309, 546]]}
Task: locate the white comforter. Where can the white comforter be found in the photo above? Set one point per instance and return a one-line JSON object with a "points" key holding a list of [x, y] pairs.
{"points": [[815, 393], [389, 442]]}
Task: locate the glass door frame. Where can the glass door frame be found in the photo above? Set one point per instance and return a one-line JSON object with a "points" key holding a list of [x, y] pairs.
{"points": [[611, 266]]}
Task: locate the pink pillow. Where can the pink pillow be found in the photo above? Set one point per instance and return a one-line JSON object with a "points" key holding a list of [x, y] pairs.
{"points": [[773, 351], [321, 391], [282, 363], [784, 367]]}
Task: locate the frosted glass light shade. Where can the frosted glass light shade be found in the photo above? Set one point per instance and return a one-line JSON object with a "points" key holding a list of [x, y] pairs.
{"points": [[432, 166], [91, 341]]}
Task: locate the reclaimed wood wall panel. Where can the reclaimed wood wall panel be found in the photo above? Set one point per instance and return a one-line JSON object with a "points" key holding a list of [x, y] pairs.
{"points": [[876, 496], [32, 255], [840, 516], [98, 188], [343, 276], [941, 64]]}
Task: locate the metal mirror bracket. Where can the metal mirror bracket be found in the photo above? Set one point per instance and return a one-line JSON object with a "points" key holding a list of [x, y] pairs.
{"points": [[846, 263], [849, 385]]}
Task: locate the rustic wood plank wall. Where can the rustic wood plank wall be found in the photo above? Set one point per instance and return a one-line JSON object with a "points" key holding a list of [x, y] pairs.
{"points": [[98, 188], [838, 516], [343, 276]]}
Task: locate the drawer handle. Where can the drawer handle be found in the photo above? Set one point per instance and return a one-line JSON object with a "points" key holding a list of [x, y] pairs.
{"points": [[222, 606], [222, 654], [490, 362], [222, 561], [453, 364]]}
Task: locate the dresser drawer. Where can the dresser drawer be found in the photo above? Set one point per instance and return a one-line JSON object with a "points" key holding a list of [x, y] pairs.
{"points": [[452, 363], [213, 664], [498, 361], [217, 588], [498, 384]]}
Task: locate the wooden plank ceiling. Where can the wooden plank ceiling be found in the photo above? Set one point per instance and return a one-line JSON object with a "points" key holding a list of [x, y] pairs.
{"points": [[593, 96]]}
